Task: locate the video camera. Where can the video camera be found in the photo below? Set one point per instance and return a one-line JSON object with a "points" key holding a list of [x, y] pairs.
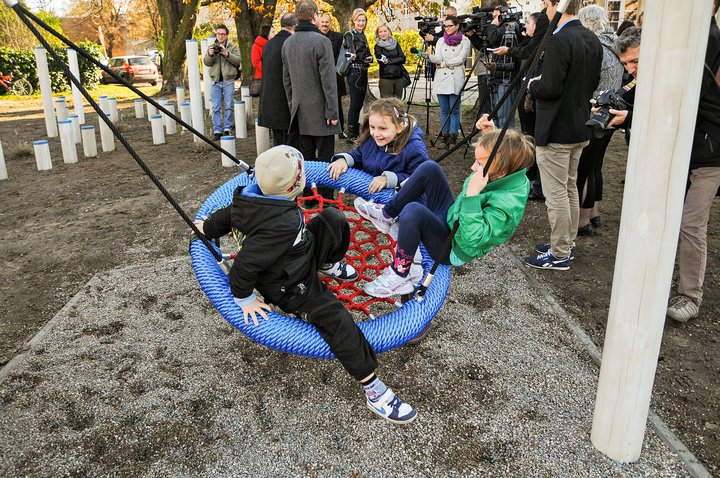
{"points": [[599, 120], [482, 17], [427, 25], [216, 48]]}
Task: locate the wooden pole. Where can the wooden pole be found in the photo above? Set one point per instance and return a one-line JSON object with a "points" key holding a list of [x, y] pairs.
{"points": [[671, 60]]}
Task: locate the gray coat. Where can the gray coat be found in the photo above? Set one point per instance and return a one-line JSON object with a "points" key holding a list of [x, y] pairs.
{"points": [[309, 79]]}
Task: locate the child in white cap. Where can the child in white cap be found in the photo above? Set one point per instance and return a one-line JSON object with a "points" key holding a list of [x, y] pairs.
{"points": [[280, 257]]}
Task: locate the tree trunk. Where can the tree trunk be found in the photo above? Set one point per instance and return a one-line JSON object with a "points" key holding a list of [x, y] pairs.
{"points": [[344, 8], [248, 22], [178, 20]]}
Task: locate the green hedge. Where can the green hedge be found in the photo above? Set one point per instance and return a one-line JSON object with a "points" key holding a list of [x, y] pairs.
{"points": [[22, 65], [407, 40]]}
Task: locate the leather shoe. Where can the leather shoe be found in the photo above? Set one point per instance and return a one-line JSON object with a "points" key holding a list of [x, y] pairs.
{"points": [[217, 136], [227, 133], [587, 230], [595, 221]]}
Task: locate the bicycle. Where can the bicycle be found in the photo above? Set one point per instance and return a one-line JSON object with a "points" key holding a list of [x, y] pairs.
{"points": [[17, 86]]}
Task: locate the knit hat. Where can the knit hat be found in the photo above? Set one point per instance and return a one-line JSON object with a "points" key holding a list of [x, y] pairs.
{"points": [[280, 171]]}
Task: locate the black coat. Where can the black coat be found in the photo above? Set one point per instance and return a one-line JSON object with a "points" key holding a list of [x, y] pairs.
{"points": [[273, 111], [570, 75], [396, 59], [336, 39]]}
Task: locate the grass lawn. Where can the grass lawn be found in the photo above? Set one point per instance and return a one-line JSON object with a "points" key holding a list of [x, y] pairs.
{"points": [[113, 91]]}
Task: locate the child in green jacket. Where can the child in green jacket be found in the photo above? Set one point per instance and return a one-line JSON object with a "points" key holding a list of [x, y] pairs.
{"points": [[489, 209]]}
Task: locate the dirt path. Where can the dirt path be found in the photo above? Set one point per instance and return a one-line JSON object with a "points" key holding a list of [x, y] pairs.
{"points": [[62, 226]]}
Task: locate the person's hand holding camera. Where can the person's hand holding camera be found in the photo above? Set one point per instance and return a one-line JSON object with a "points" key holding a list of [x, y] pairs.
{"points": [[502, 50], [429, 37]]}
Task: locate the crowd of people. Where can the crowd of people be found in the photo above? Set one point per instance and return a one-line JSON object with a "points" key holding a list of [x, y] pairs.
{"points": [[583, 60]]}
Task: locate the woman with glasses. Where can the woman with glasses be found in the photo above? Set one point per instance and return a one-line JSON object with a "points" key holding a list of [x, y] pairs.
{"points": [[357, 45], [450, 54]]}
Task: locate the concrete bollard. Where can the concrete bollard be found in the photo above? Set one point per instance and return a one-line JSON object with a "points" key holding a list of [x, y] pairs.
{"points": [[228, 144], [240, 119], [193, 68], [158, 133], [75, 121], [61, 109], [179, 95], [67, 142], [42, 155], [207, 81], [3, 169], [185, 114], [151, 110], [77, 96], [245, 96], [170, 124], [114, 114], [89, 141], [46, 91], [139, 111], [262, 138], [106, 136]]}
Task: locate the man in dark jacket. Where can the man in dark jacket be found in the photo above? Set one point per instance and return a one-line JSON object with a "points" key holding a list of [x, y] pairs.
{"points": [[336, 39], [570, 75], [703, 184], [310, 85], [274, 112]]}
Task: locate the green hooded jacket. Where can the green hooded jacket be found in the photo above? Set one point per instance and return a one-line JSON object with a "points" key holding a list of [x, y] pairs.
{"points": [[487, 219]]}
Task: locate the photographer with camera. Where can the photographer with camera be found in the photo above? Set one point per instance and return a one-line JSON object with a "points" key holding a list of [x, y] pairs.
{"points": [[450, 54], [430, 28], [223, 61], [357, 46]]}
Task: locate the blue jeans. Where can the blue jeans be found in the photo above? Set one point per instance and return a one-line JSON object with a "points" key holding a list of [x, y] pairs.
{"points": [[221, 96], [506, 107], [422, 205], [446, 102]]}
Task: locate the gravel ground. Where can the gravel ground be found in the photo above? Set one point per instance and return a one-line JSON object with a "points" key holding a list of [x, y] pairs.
{"points": [[139, 376]]}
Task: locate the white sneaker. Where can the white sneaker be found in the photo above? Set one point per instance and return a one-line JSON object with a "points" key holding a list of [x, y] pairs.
{"points": [[391, 408], [373, 212], [340, 270], [682, 308], [388, 283]]}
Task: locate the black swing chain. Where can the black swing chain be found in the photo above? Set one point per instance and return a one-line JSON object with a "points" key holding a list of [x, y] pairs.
{"points": [[19, 10], [530, 66]]}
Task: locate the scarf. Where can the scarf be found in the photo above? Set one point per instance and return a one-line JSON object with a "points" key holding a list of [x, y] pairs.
{"points": [[453, 40], [306, 26], [388, 44]]}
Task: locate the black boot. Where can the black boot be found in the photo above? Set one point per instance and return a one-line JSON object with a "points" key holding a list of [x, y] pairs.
{"points": [[453, 138], [353, 130]]}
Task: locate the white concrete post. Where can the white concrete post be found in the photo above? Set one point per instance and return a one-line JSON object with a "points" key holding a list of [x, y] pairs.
{"points": [[77, 96], [89, 141], [151, 110], [158, 133], [196, 105], [228, 144], [46, 91], [170, 124], [67, 142], [3, 169], [207, 81], [139, 111], [245, 95], [106, 137], [61, 110], [75, 121], [114, 114], [262, 138], [662, 135], [185, 114], [42, 155], [240, 119], [180, 95]]}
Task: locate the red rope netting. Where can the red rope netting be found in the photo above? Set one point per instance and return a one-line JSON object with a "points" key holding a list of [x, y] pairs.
{"points": [[365, 253]]}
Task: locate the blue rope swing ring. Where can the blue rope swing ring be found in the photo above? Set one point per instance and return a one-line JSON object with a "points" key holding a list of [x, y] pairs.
{"points": [[288, 333]]}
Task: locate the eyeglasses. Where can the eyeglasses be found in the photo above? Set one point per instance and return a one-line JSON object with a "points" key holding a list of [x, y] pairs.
{"points": [[220, 34], [448, 26]]}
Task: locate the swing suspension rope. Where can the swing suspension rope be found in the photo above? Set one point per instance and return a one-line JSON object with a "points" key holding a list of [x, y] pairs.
{"points": [[23, 14], [528, 67]]}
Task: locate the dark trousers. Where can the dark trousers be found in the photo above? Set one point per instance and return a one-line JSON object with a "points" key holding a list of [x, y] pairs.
{"points": [[318, 148], [281, 136], [590, 170], [422, 205], [319, 306], [357, 85]]}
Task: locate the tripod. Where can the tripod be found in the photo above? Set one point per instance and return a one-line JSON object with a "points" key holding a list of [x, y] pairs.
{"points": [[429, 74]]}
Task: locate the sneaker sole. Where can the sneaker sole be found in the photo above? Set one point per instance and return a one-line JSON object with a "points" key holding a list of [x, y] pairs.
{"points": [[572, 253], [396, 422], [401, 291], [545, 268]]}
